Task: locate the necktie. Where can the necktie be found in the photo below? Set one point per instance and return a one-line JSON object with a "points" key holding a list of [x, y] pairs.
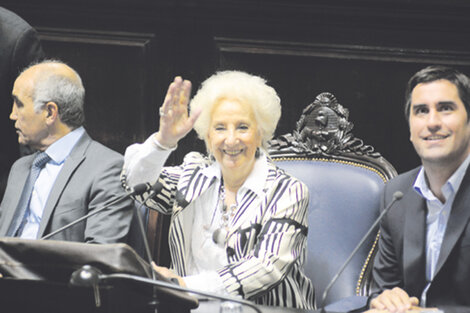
{"points": [[21, 212]]}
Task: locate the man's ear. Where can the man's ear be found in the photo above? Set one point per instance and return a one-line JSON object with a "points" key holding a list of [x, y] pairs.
{"points": [[52, 112]]}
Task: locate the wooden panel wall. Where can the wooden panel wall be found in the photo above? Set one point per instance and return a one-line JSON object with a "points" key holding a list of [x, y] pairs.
{"points": [[127, 51], [117, 70]]}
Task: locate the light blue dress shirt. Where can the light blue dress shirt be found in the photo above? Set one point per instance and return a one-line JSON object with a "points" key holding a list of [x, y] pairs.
{"points": [[58, 151], [437, 217]]}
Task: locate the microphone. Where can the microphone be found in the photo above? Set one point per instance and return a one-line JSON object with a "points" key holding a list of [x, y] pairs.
{"points": [[92, 276], [140, 189], [137, 190], [397, 195]]}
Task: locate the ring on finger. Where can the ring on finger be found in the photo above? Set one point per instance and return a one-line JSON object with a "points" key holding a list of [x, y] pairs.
{"points": [[161, 112]]}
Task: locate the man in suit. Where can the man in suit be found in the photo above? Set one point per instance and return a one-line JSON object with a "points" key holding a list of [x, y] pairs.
{"points": [[19, 46], [78, 175], [424, 249]]}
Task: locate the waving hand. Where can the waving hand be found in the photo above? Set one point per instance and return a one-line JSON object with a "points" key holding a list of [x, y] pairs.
{"points": [[175, 122]]}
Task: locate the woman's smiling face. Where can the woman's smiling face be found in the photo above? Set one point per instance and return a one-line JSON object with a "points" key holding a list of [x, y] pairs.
{"points": [[233, 137]]}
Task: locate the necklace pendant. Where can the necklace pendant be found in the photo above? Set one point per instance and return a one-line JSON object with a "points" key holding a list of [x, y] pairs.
{"points": [[219, 236]]}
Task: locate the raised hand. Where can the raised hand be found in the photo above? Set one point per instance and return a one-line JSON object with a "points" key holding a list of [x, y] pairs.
{"points": [[175, 122]]}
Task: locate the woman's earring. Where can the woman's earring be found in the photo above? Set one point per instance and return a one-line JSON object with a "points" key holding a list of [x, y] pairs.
{"points": [[211, 157], [257, 153]]}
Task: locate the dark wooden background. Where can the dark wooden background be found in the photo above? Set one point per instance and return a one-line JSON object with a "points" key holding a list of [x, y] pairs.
{"points": [[127, 51]]}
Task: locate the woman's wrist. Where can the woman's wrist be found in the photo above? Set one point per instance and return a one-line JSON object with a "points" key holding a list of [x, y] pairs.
{"points": [[161, 144]]}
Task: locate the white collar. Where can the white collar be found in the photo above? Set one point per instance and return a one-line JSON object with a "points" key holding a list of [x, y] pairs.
{"points": [[256, 179]]}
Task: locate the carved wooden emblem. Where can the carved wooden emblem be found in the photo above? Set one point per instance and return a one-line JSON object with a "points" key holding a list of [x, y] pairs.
{"points": [[323, 129]]}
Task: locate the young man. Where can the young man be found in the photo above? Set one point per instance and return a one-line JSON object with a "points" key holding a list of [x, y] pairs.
{"points": [[424, 250]]}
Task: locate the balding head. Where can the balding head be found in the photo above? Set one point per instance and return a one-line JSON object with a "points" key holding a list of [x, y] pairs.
{"points": [[54, 81], [48, 68]]}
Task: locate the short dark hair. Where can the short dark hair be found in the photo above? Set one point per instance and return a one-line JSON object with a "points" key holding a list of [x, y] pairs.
{"points": [[437, 72]]}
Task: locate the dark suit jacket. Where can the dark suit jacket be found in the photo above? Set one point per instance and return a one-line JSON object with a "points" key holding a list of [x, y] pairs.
{"points": [[19, 46], [401, 256], [88, 180]]}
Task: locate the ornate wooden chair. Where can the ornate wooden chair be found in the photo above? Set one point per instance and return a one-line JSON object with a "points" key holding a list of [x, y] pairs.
{"points": [[345, 178]]}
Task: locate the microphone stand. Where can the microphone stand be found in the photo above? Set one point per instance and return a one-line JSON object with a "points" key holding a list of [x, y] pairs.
{"points": [[136, 190], [396, 196]]}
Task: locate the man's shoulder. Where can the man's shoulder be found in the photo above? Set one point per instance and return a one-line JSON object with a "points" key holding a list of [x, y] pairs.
{"points": [[98, 148], [404, 179], [96, 154], [100, 153], [88, 145]]}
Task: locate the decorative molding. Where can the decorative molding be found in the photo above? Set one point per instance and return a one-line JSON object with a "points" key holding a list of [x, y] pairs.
{"points": [[95, 37], [343, 51]]}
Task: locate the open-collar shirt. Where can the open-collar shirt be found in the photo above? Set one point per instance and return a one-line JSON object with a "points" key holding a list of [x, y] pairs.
{"points": [[437, 216], [58, 152]]}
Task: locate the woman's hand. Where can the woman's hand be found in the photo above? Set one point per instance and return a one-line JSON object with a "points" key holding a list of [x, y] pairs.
{"points": [[167, 273], [175, 122]]}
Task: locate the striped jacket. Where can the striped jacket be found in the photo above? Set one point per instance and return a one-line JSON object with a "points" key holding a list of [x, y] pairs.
{"points": [[266, 247]]}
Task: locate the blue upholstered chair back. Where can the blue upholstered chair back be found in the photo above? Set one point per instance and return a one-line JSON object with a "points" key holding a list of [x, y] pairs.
{"points": [[344, 178], [344, 202]]}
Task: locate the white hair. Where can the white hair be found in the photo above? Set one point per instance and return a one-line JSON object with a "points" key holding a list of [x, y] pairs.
{"points": [[243, 87]]}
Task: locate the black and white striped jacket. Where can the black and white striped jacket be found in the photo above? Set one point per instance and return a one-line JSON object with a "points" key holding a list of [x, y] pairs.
{"points": [[265, 249]]}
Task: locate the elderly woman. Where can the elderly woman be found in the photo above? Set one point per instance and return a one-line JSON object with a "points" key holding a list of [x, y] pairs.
{"points": [[239, 223]]}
